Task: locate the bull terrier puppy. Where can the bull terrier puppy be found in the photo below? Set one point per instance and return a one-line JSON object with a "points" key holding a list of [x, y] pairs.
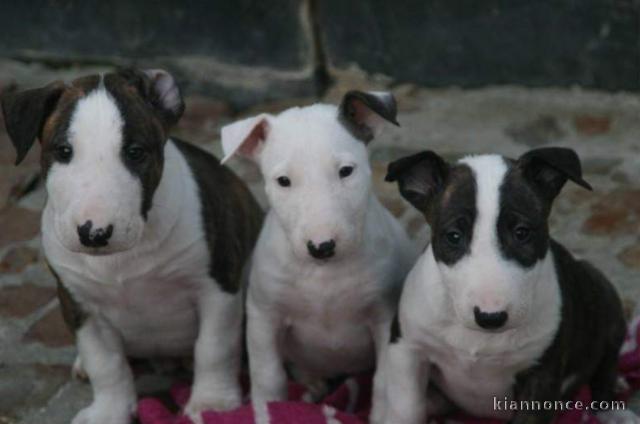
{"points": [[146, 235], [330, 260], [495, 308]]}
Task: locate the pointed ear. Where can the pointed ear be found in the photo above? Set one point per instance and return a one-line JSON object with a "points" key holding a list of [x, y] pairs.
{"points": [[245, 138], [364, 113], [25, 113], [550, 168], [420, 177], [160, 90]]}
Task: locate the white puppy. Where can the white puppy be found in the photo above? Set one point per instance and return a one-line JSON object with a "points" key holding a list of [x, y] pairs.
{"points": [[330, 260]]}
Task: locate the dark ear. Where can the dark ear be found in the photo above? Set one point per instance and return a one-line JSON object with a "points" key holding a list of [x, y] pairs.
{"points": [[363, 114], [420, 177], [25, 113], [549, 169], [159, 89]]}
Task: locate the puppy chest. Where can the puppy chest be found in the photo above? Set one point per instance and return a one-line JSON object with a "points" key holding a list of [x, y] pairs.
{"points": [[329, 350], [154, 319], [329, 331], [472, 384]]}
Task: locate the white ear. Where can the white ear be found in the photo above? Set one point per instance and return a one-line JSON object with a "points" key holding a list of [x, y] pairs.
{"points": [[245, 137]]}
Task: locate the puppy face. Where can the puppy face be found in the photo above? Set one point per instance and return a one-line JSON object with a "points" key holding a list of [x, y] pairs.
{"points": [[102, 152], [316, 169], [489, 219]]}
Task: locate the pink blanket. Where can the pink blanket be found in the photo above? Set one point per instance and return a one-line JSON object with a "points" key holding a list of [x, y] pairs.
{"points": [[349, 403]]}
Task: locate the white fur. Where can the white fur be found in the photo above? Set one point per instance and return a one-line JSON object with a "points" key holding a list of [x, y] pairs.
{"points": [[95, 185], [469, 365], [153, 299], [326, 318]]}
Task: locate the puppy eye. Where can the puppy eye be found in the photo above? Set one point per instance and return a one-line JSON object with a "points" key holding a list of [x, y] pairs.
{"points": [[454, 237], [63, 153], [283, 181], [345, 171], [135, 153], [522, 233]]}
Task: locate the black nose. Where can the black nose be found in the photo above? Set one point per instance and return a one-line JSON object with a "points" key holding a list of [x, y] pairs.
{"points": [[98, 237], [324, 250], [490, 320]]}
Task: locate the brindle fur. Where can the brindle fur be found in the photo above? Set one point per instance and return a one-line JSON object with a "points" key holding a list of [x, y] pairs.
{"points": [[72, 313], [224, 196]]}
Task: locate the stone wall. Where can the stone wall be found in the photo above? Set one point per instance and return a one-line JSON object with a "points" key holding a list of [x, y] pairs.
{"points": [[250, 51]]}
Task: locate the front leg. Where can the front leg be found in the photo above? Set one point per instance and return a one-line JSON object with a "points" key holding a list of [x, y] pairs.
{"points": [[268, 377], [101, 351], [217, 353], [406, 384], [381, 333]]}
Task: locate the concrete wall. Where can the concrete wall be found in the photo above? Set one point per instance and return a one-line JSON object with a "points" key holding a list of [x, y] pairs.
{"points": [[251, 51]]}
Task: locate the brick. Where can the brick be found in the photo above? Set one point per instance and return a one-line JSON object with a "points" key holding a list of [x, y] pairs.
{"points": [[590, 125], [542, 130], [630, 256], [14, 182], [18, 224], [204, 113], [615, 213], [17, 259], [28, 386], [50, 330], [21, 301]]}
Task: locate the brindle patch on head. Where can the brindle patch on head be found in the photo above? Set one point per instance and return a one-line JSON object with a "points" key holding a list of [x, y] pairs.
{"points": [[143, 129], [453, 211], [55, 130], [521, 206]]}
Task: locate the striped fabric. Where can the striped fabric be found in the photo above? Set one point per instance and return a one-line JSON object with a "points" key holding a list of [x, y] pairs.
{"points": [[349, 403]]}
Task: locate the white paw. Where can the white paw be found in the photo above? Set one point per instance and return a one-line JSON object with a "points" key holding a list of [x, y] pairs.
{"points": [[106, 412], [260, 411], [77, 371], [618, 417], [201, 402]]}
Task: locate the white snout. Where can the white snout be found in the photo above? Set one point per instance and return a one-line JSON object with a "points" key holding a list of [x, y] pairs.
{"points": [[99, 233]]}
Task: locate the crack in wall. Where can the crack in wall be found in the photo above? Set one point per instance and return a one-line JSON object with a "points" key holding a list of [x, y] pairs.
{"points": [[310, 21]]}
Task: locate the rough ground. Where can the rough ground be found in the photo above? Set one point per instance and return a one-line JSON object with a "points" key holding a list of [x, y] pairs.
{"points": [[603, 226]]}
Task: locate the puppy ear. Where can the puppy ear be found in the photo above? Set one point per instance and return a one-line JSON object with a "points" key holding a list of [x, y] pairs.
{"points": [[25, 113], [364, 113], [160, 90], [245, 138], [549, 169], [420, 177]]}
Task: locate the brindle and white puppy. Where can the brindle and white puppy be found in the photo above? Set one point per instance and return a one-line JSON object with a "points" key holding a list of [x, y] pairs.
{"points": [[147, 235], [495, 307], [330, 260]]}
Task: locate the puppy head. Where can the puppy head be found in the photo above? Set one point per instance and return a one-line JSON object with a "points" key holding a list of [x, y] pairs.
{"points": [[489, 221], [316, 168], [102, 150]]}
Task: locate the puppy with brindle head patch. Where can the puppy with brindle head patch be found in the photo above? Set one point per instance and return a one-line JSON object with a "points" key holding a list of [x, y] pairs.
{"points": [[146, 235], [495, 308], [330, 260]]}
